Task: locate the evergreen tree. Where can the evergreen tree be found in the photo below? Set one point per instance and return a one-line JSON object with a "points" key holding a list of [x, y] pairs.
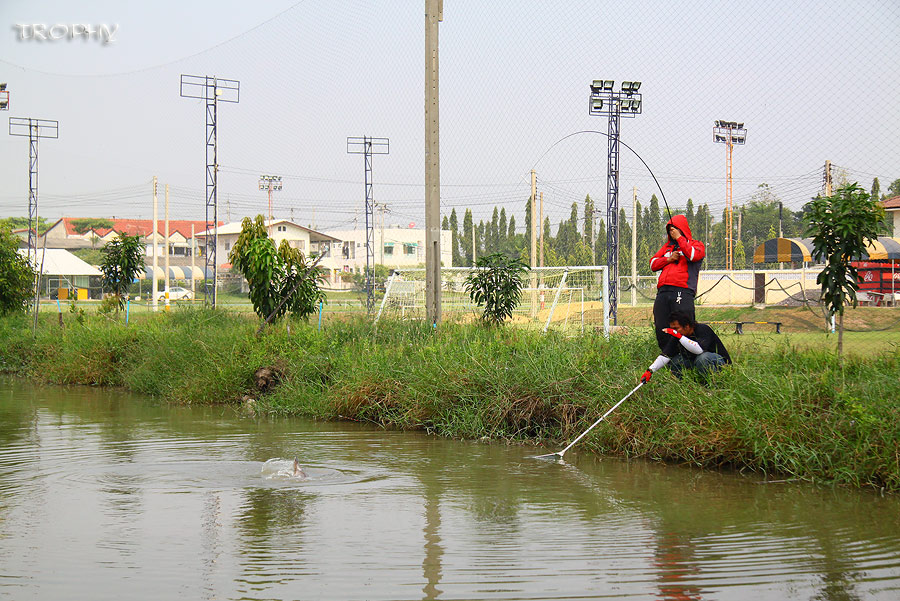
{"points": [[740, 257], [454, 236], [588, 219], [600, 247], [527, 249], [494, 238], [689, 212], [468, 236], [876, 189], [502, 245]]}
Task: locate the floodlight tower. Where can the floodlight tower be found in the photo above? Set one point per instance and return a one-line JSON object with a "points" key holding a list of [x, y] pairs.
{"points": [[4, 97], [729, 133], [35, 129], [615, 105], [270, 183], [367, 147], [213, 90]]}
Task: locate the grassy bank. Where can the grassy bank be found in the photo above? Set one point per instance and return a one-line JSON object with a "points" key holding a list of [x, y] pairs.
{"points": [[797, 414]]}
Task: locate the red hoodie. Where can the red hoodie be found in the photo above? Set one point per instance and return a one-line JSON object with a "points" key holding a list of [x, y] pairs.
{"points": [[685, 271]]}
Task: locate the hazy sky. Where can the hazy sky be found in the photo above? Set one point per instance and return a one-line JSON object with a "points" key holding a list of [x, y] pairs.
{"points": [[811, 80]]}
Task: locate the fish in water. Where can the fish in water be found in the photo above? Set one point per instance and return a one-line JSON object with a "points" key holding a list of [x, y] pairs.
{"points": [[298, 471]]}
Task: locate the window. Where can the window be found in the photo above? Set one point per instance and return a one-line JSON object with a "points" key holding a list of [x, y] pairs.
{"points": [[301, 244], [282, 228], [389, 250], [227, 245], [409, 248]]}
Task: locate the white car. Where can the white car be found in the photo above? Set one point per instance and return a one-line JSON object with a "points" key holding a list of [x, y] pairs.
{"points": [[176, 293]]}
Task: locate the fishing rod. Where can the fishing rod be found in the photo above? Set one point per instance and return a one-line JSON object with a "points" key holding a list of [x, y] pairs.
{"points": [[633, 151]]}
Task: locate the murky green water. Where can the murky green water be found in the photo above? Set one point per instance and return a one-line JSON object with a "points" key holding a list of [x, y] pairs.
{"points": [[109, 496]]}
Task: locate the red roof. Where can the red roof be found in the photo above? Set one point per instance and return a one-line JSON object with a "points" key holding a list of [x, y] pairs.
{"points": [[143, 227], [891, 203]]}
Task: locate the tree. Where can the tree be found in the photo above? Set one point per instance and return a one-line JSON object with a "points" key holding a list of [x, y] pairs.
{"points": [[894, 189], [497, 285], [840, 227], [16, 275], [588, 220], [280, 280], [468, 237], [454, 238], [502, 238], [83, 225], [123, 259], [876, 189]]}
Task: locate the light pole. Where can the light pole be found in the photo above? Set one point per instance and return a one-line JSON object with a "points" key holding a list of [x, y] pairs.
{"points": [[604, 101], [270, 183], [213, 90], [4, 97], [729, 133], [35, 129], [367, 147]]}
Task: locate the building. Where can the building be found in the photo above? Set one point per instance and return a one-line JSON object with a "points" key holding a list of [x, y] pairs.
{"points": [[892, 208], [395, 247], [63, 271], [65, 234], [310, 242]]}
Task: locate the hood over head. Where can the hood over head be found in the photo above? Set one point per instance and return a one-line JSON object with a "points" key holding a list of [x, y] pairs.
{"points": [[681, 222]]}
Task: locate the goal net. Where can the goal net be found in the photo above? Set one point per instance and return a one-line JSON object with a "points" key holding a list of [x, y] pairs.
{"points": [[571, 299]]}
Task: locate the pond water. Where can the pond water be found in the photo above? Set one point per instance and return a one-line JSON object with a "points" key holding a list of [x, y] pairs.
{"points": [[105, 495]]}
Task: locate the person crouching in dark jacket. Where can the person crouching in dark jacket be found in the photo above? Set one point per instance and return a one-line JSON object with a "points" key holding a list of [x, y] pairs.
{"points": [[689, 345]]}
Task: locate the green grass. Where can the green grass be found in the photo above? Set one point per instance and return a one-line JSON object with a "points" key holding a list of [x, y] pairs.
{"points": [[781, 408]]}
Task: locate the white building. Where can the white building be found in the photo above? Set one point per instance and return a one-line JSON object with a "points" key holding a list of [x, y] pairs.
{"points": [[395, 247], [310, 242]]}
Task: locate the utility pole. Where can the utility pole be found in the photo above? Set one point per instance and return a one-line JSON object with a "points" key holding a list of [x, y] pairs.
{"points": [[193, 252], [542, 229], [434, 13], [828, 181], [166, 247], [154, 301], [533, 263], [634, 246]]}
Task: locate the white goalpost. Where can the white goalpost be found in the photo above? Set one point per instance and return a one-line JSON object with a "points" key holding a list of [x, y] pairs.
{"points": [[571, 299]]}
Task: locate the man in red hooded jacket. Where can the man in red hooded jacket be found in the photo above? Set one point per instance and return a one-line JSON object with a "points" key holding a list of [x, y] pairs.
{"points": [[679, 263]]}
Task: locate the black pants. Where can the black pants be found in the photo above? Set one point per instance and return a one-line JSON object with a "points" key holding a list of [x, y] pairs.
{"points": [[668, 299]]}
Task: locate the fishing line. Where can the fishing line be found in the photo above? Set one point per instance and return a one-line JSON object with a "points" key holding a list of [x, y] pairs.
{"points": [[633, 151]]}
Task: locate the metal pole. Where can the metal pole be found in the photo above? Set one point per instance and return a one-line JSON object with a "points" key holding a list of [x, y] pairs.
{"points": [[433, 15], [634, 246]]}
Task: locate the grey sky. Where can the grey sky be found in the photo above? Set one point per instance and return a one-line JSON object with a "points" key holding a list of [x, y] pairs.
{"points": [[811, 80]]}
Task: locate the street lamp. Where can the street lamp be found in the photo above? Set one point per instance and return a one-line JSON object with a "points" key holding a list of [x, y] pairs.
{"points": [[270, 183], [213, 90], [729, 133], [605, 101]]}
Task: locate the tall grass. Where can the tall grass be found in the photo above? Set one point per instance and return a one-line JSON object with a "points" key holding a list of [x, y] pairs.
{"points": [[787, 412]]}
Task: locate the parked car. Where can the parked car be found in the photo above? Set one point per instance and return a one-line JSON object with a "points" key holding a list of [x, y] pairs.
{"points": [[176, 293]]}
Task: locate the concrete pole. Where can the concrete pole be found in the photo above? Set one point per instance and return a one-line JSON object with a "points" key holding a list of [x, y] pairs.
{"points": [[828, 182], [193, 252], [634, 246], [433, 15], [533, 263], [166, 247], [154, 301], [542, 229]]}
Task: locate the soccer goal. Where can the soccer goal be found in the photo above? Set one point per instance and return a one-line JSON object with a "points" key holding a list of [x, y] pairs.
{"points": [[571, 299]]}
